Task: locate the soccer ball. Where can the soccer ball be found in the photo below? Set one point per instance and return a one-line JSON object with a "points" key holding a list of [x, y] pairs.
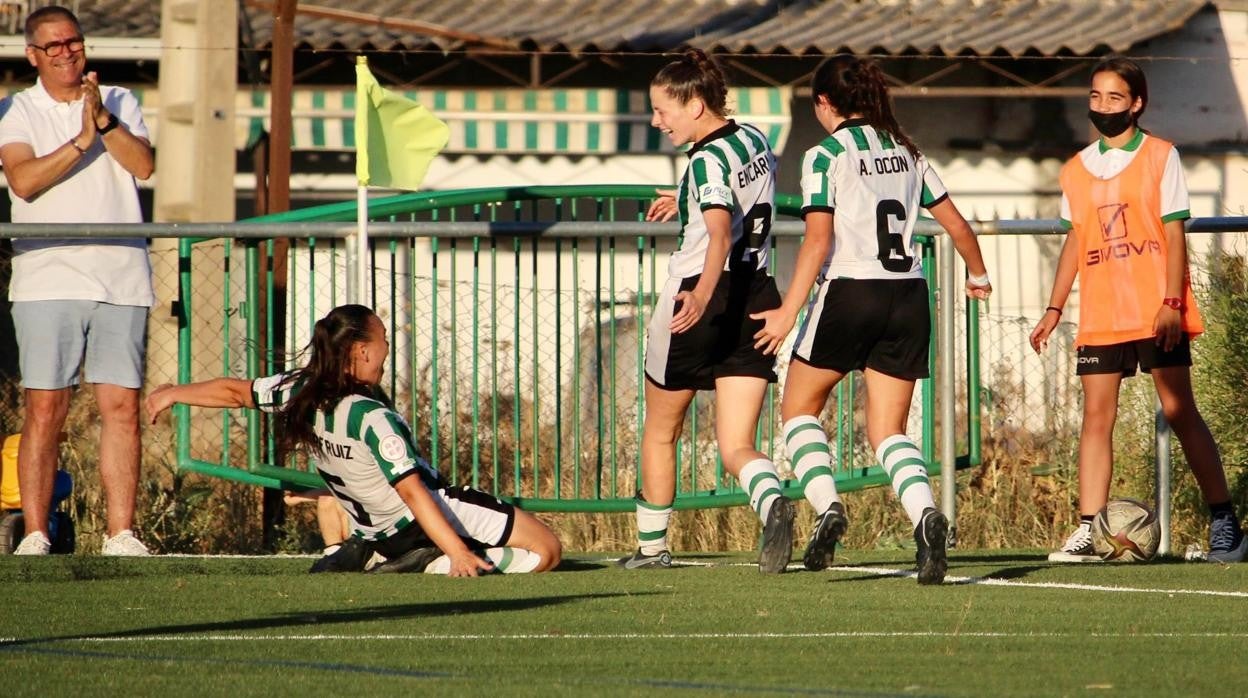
{"points": [[1126, 530]]}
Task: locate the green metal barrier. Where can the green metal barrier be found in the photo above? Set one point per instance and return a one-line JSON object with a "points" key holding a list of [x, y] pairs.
{"points": [[518, 361]]}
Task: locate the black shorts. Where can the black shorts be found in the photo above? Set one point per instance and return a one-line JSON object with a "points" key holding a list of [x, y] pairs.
{"points": [[1124, 357], [881, 324], [481, 520], [721, 344]]}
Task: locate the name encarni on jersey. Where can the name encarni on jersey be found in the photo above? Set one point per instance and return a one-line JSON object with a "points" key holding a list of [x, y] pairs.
{"points": [[734, 169]]}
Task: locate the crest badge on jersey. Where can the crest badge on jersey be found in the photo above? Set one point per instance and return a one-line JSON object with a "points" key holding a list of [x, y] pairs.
{"points": [[393, 448]]}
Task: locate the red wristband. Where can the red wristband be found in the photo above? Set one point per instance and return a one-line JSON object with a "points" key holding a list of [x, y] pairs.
{"points": [[1176, 303]]}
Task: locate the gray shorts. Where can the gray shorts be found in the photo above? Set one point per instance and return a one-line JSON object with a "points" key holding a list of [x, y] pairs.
{"points": [[55, 338]]}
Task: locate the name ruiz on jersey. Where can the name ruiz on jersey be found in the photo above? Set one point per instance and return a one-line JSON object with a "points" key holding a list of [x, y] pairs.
{"points": [[336, 450], [891, 164], [752, 171]]}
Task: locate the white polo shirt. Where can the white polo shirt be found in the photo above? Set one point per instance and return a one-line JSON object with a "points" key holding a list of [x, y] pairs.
{"points": [[96, 190]]}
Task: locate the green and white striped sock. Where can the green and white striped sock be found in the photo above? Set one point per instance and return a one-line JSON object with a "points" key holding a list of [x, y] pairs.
{"points": [[904, 464], [760, 480], [513, 560], [506, 560], [652, 526], [807, 446]]}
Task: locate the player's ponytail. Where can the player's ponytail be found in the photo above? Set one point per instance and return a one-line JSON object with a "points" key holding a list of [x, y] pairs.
{"points": [[694, 74], [855, 85], [326, 378]]}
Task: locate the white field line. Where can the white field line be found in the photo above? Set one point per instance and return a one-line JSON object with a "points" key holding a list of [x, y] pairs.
{"points": [[634, 636], [878, 571], [990, 581]]}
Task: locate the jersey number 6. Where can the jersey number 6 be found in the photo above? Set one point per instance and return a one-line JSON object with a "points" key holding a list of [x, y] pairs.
{"points": [[892, 245]]}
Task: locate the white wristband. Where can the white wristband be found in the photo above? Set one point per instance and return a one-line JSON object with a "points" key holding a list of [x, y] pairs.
{"points": [[978, 280]]}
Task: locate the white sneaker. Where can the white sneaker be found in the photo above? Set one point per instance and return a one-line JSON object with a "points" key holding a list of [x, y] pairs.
{"points": [[34, 544], [1077, 548], [125, 544]]}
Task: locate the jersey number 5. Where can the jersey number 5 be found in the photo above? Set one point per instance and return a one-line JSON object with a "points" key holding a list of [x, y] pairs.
{"points": [[892, 245], [339, 486]]}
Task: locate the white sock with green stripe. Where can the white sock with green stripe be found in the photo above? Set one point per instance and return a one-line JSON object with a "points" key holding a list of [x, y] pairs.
{"points": [[807, 446], [760, 480], [652, 526], [506, 560], [904, 464], [513, 560]]}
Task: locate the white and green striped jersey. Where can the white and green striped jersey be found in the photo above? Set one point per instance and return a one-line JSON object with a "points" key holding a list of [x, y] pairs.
{"points": [[874, 189], [366, 449], [734, 169]]}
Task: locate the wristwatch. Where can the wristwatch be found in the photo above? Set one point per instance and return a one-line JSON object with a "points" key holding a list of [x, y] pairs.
{"points": [[112, 124], [1176, 303]]}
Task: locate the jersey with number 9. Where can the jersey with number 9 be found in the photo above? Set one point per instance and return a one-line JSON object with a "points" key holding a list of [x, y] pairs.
{"points": [[733, 169]]}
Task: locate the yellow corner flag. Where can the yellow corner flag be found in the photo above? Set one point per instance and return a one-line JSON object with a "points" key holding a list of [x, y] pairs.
{"points": [[395, 138]]}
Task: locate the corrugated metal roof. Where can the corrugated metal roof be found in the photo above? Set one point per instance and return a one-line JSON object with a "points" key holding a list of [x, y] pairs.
{"points": [[947, 27], [953, 27]]}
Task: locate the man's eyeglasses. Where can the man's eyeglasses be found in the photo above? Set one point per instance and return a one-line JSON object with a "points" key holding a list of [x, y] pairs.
{"points": [[56, 48]]}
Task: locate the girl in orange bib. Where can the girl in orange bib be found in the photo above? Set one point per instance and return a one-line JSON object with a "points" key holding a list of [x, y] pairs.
{"points": [[1124, 201]]}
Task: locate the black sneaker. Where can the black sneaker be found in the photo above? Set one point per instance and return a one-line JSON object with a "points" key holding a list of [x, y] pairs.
{"points": [[777, 538], [415, 560], [640, 560], [349, 557], [929, 539], [829, 528], [1227, 542]]}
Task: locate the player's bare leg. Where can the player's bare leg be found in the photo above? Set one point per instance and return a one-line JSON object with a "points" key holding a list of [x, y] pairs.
{"points": [[738, 403], [888, 407]]}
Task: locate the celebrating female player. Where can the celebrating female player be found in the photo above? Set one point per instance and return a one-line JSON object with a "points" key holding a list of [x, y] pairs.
{"points": [[331, 409], [1124, 201], [700, 337], [862, 190]]}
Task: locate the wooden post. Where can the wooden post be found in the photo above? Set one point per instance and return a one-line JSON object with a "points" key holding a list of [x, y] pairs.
{"points": [[281, 78]]}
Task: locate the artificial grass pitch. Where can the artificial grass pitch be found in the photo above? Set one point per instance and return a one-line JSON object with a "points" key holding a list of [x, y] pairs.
{"points": [[1007, 623]]}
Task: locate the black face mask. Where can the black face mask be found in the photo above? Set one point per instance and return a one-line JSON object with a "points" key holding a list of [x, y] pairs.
{"points": [[1111, 125]]}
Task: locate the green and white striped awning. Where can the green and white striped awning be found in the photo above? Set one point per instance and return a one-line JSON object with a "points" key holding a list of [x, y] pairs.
{"points": [[552, 121]]}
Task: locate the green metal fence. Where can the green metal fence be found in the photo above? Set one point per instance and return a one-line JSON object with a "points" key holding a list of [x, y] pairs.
{"points": [[516, 344]]}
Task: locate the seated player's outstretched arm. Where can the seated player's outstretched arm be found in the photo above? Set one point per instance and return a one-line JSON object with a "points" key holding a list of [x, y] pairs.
{"points": [[218, 392], [430, 518]]}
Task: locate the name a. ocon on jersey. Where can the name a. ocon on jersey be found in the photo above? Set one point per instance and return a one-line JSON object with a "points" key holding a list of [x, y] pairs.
{"points": [[891, 164], [752, 171], [1122, 250]]}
